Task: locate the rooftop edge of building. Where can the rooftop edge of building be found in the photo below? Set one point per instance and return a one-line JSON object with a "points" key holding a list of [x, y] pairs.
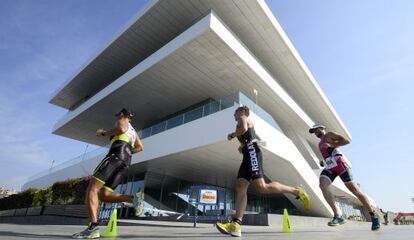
{"points": [[251, 21]]}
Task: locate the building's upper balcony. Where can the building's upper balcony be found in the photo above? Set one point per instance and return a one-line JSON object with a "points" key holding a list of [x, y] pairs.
{"points": [[208, 107], [205, 61], [161, 21]]}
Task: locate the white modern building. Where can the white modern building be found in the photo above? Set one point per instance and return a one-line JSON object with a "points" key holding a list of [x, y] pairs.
{"points": [[183, 67]]}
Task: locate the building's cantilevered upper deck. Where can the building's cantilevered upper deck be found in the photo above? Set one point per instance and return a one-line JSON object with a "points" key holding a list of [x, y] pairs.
{"points": [[161, 21]]}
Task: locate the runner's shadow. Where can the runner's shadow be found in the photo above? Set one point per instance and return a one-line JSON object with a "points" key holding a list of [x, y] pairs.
{"points": [[30, 235], [192, 236], [296, 231], [161, 237], [152, 225]]}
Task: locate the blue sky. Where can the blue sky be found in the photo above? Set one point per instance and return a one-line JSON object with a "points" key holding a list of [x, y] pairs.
{"points": [[360, 52]]}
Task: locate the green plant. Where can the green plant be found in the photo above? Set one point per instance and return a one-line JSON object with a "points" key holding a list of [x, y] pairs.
{"points": [[21, 200], [62, 192], [9, 202], [26, 198], [71, 191], [79, 190], [42, 197]]}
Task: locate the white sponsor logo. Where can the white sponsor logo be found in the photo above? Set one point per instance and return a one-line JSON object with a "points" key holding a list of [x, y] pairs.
{"points": [[253, 157]]}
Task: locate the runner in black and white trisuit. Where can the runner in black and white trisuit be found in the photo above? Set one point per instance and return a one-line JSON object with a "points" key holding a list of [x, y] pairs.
{"points": [[251, 170], [337, 165], [109, 173]]}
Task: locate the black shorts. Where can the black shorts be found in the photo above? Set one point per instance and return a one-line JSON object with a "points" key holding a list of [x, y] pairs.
{"points": [[343, 170], [110, 171], [251, 167]]}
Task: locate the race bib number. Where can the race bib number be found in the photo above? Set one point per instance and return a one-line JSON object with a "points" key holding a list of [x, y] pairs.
{"points": [[330, 162]]}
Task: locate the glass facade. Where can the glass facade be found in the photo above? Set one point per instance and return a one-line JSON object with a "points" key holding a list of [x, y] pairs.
{"points": [[130, 185], [165, 194], [205, 108], [348, 209]]}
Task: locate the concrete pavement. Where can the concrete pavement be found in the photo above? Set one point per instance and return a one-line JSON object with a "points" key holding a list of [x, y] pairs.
{"points": [[173, 230]]}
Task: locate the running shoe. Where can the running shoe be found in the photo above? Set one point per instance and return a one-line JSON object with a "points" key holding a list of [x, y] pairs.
{"points": [[336, 221], [87, 234], [375, 222], [230, 228], [303, 197], [127, 204], [138, 203]]}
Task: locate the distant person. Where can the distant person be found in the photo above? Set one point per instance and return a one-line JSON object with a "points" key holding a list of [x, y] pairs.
{"points": [[385, 214], [110, 172], [337, 165], [251, 170]]}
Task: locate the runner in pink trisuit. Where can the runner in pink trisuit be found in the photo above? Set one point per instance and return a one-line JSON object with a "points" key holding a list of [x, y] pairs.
{"points": [[336, 165]]}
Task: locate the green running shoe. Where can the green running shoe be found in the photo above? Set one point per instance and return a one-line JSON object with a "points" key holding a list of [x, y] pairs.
{"points": [[336, 221], [87, 234], [138, 203]]}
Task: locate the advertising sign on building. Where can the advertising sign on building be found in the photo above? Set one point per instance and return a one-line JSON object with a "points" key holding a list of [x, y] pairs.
{"points": [[208, 196]]}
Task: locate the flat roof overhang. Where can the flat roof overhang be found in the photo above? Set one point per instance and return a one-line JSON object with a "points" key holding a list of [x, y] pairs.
{"points": [[214, 164], [160, 21], [205, 61]]}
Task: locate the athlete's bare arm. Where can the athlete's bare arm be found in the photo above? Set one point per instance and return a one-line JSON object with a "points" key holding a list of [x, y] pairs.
{"points": [[138, 147], [337, 140], [241, 128], [241, 145], [258, 137], [240, 148], [121, 127]]}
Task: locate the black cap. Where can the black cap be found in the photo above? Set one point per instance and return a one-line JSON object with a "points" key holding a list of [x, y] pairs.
{"points": [[125, 112], [318, 125]]}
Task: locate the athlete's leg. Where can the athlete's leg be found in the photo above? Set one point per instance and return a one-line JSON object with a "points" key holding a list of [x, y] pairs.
{"points": [[99, 177], [324, 184], [242, 183], [107, 195], [356, 190], [92, 199], [241, 197], [234, 227], [273, 187]]}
